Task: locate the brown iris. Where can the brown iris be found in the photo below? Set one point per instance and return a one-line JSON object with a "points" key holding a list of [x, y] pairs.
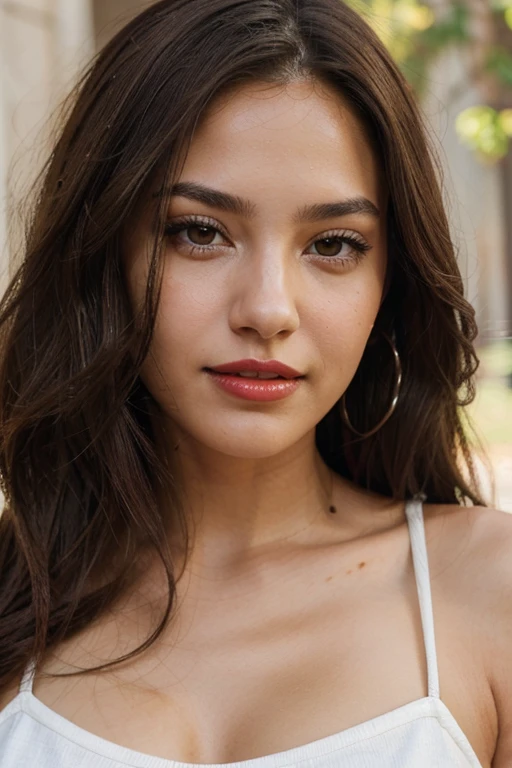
{"points": [[332, 246], [204, 233]]}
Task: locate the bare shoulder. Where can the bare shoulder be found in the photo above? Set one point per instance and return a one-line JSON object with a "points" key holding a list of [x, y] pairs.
{"points": [[470, 554], [473, 542]]}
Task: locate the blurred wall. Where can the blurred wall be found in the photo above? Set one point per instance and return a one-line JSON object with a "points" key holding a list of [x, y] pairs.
{"points": [[474, 198], [27, 67], [43, 44], [111, 15]]}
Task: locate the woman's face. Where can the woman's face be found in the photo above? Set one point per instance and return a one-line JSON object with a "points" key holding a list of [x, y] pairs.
{"points": [[278, 276]]}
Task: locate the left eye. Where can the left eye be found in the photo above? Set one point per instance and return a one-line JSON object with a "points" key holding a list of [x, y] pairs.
{"points": [[201, 234], [331, 246], [193, 234]]}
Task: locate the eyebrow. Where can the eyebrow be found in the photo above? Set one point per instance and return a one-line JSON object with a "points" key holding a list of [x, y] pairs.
{"points": [[246, 208]]}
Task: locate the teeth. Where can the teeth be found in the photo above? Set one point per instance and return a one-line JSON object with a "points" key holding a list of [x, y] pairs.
{"points": [[256, 375]]}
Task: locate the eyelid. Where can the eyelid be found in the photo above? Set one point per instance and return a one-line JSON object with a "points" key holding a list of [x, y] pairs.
{"points": [[200, 219], [341, 232]]}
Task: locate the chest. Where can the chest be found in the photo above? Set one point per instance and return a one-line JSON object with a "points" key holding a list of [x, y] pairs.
{"points": [[265, 668]]}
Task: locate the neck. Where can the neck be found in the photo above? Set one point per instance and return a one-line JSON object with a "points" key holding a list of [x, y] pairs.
{"points": [[241, 507]]}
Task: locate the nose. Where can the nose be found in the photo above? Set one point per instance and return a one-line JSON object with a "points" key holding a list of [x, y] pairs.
{"points": [[265, 296]]}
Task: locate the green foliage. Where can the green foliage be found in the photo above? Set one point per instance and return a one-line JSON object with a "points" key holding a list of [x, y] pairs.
{"points": [[413, 34], [499, 63], [501, 6], [486, 130], [452, 29], [416, 36]]}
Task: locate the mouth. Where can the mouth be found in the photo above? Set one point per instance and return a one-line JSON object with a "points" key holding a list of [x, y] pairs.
{"points": [[258, 386], [254, 375]]}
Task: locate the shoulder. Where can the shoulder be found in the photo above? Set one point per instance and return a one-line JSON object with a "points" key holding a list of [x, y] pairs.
{"points": [[470, 553], [474, 543]]}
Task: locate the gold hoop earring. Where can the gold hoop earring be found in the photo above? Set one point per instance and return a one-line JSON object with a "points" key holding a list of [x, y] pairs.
{"points": [[394, 400]]}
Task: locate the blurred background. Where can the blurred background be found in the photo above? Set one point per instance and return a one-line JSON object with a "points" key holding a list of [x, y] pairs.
{"points": [[457, 57]]}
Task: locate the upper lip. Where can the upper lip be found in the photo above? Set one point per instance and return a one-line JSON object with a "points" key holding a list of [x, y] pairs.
{"points": [[260, 366]]}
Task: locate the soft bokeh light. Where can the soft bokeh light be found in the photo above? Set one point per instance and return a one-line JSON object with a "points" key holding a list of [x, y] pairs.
{"points": [[485, 130]]}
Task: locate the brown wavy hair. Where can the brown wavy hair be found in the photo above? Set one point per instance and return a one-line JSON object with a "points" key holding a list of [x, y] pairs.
{"points": [[80, 468]]}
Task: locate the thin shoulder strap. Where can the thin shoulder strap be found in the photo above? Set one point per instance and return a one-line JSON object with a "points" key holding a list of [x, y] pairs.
{"points": [[414, 513], [27, 681]]}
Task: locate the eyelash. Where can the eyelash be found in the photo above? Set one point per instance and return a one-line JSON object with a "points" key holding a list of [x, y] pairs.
{"points": [[359, 247]]}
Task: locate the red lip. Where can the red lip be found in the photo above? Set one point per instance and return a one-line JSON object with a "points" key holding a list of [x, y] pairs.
{"points": [[263, 366]]}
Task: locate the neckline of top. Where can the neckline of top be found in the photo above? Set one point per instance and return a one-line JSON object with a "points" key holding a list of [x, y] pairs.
{"points": [[425, 707]]}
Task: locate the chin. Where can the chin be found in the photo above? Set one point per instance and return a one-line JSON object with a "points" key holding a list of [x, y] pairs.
{"points": [[249, 446]]}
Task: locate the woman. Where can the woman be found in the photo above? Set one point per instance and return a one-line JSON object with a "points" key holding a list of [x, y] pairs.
{"points": [[232, 368]]}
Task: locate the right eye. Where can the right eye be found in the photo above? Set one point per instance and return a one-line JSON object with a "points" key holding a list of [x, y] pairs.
{"points": [[199, 235]]}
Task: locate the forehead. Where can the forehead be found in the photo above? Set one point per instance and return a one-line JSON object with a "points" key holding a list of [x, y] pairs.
{"points": [[295, 139]]}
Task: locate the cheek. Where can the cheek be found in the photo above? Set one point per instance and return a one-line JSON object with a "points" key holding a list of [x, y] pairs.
{"points": [[187, 309], [341, 325], [185, 314]]}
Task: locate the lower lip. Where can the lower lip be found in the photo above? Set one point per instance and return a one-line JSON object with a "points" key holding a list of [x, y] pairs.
{"points": [[262, 390]]}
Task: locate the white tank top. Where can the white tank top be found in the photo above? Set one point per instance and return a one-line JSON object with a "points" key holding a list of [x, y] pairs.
{"points": [[422, 733]]}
